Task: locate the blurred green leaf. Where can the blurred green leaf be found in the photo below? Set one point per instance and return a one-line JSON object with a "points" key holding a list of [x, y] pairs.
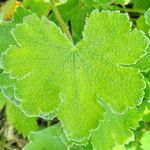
{"points": [[40, 7], [145, 141], [141, 4]]}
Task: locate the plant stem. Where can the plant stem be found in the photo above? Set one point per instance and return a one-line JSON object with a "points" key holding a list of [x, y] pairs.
{"points": [[60, 20], [140, 11], [5, 9]]}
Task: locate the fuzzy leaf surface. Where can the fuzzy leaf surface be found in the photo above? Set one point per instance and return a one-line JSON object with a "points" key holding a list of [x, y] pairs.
{"points": [[118, 127], [55, 76]]}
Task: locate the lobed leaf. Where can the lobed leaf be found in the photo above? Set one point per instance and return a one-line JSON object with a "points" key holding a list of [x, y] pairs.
{"points": [[54, 76]]}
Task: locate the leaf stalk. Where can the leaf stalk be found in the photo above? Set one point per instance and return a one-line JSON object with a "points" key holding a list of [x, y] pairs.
{"points": [[60, 20]]}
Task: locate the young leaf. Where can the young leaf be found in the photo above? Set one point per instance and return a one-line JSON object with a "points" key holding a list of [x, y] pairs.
{"points": [[48, 139], [117, 127], [52, 71]]}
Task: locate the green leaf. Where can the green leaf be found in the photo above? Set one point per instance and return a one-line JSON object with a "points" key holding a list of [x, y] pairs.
{"points": [[53, 75], [22, 123], [146, 111], [145, 141], [144, 63], [6, 38], [147, 16], [5, 81], [135, 143], [87, 147], [117, 127], [9, 94], [40, 7], [17, 118], [123, 2], [97, 3], [147, 89], [47, 139], [7, 88], [141, 4], [19, 14], [141, 24], [52, 138]]}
